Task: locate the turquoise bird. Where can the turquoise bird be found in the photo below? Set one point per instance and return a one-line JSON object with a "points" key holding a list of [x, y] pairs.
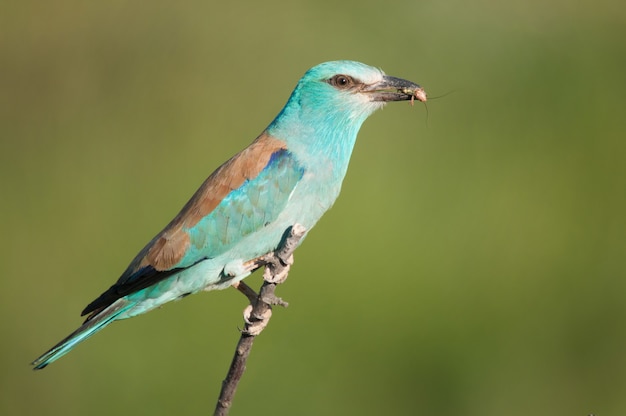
{"points": [[291, 173]]}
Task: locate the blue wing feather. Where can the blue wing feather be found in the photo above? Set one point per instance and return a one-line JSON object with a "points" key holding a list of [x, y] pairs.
{"points": [[243, 211]]}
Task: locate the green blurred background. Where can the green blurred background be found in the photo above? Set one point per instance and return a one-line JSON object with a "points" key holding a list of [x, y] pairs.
{"points": [[474, 264]]}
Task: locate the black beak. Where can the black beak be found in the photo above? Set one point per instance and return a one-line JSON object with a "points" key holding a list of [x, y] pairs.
{"points": [[395, 89]]}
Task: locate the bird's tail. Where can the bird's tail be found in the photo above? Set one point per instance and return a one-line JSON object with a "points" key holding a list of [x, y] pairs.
{"points": [[90, 327]]}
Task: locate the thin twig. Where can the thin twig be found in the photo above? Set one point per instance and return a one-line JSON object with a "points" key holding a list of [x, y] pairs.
{"points": [[259, 312]]}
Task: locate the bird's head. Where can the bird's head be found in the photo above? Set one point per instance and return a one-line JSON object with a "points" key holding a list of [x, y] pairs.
{"points": [[322, 117], [340, 95], [355, 86]]}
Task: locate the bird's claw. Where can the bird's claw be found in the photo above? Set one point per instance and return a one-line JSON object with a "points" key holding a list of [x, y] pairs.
{"points": [[277, 270], [255, 323]]}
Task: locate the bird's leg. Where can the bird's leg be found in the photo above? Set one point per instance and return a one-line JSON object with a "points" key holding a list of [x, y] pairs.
{"points": [[277, 264], [246, 290]]}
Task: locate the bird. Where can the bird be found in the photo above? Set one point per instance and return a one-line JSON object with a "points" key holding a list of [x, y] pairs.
{"points": [[290, 174]]}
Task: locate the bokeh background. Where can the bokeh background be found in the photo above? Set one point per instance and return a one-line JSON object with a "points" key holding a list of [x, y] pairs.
{"points": [[474, 264]]}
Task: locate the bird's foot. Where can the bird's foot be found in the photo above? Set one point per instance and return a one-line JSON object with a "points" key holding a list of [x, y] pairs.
{"points": [[277, 268], [277, 265], [269, 298], [279, 262], [255, 322]]}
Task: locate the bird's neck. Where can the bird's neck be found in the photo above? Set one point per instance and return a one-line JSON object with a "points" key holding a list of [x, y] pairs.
{"points": [[322, 142]]}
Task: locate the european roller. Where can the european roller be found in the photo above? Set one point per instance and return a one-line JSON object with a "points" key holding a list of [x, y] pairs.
{"points": [[291, 173]]}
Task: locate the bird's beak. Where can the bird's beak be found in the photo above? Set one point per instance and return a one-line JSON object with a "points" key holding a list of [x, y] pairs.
{"points": [[395, 89]]}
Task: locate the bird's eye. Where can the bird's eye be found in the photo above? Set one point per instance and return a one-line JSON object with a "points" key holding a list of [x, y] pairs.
{"points": [[341, 81]]}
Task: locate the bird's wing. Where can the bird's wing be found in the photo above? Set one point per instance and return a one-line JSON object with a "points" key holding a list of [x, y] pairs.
{"points": [[240, 197]]}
